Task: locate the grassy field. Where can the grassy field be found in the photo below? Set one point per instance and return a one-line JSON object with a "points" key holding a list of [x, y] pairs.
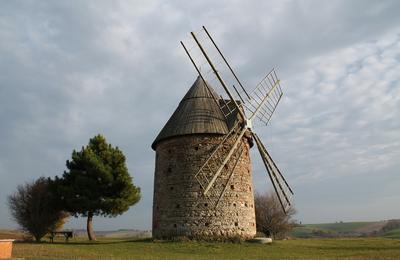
{"points": [[10, 234], [355, 248], [393, 234], [341, 229]]}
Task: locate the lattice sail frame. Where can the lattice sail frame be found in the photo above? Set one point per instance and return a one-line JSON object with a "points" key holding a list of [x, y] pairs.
{"points": [[265, 98], [281, 187], [214, 69], [207, 176]]}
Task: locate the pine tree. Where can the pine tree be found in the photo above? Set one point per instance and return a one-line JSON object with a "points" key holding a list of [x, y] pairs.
{"points": [[97, 182]]}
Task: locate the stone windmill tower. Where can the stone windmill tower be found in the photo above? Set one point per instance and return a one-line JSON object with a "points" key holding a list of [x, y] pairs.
{"points": [[182, 146], [203, 178]]}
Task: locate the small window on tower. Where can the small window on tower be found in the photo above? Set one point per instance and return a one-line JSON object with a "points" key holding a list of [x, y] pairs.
{"points": [[236, 224], [178, 206], [175, 225], [169, 169]]}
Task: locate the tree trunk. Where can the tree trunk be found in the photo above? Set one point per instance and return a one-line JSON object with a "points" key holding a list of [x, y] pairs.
{"points": [[89, 227]]}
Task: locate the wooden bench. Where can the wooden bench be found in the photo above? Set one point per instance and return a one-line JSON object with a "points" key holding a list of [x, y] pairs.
{"points": [[67, 235]]}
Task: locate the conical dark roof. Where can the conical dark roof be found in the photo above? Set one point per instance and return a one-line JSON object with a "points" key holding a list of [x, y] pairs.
{"points": [[197, 113]]}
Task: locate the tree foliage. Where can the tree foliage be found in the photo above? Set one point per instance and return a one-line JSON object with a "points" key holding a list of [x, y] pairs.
{"points": [[97, 182], [270, 218], [35, 209]]}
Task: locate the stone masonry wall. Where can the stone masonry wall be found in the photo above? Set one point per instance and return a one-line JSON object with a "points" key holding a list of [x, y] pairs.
{"points": [[179, 206]]}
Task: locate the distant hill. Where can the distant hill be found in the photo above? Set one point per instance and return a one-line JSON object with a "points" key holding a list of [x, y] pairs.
{"points": [[122, 233], [395, 233], [11, 234], [387, 228]]}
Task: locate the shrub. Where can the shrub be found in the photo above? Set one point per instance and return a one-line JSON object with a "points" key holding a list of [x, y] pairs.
{"points": [[34, 208], [270, 218]]}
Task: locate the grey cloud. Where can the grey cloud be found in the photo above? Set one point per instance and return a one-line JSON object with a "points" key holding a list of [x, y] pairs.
{"points": [[69, 70]]}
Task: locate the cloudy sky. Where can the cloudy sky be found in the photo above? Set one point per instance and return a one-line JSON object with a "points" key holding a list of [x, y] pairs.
{"points": [[72, 69]]}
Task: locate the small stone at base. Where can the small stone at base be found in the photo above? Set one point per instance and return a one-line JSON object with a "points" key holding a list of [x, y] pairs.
{"points": [[261, 240]]}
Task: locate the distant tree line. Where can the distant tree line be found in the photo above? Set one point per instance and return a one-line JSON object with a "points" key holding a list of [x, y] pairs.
{"points": [[390, 225], [96, 182]]}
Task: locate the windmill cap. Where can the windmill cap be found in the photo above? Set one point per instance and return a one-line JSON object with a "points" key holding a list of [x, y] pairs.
{"points": [[197, 113]]}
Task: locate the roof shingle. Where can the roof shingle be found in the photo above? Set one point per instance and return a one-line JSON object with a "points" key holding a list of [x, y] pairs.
{"points": [[197, 113]]}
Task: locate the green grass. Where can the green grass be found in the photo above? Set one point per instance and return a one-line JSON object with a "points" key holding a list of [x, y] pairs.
{"points": [[302, 232], [329, 229], [395, 233], [339, 227], [355, 248]]}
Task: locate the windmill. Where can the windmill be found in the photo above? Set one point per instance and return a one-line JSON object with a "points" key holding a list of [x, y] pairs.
{"points": [[247, 107], [203, 184]]}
